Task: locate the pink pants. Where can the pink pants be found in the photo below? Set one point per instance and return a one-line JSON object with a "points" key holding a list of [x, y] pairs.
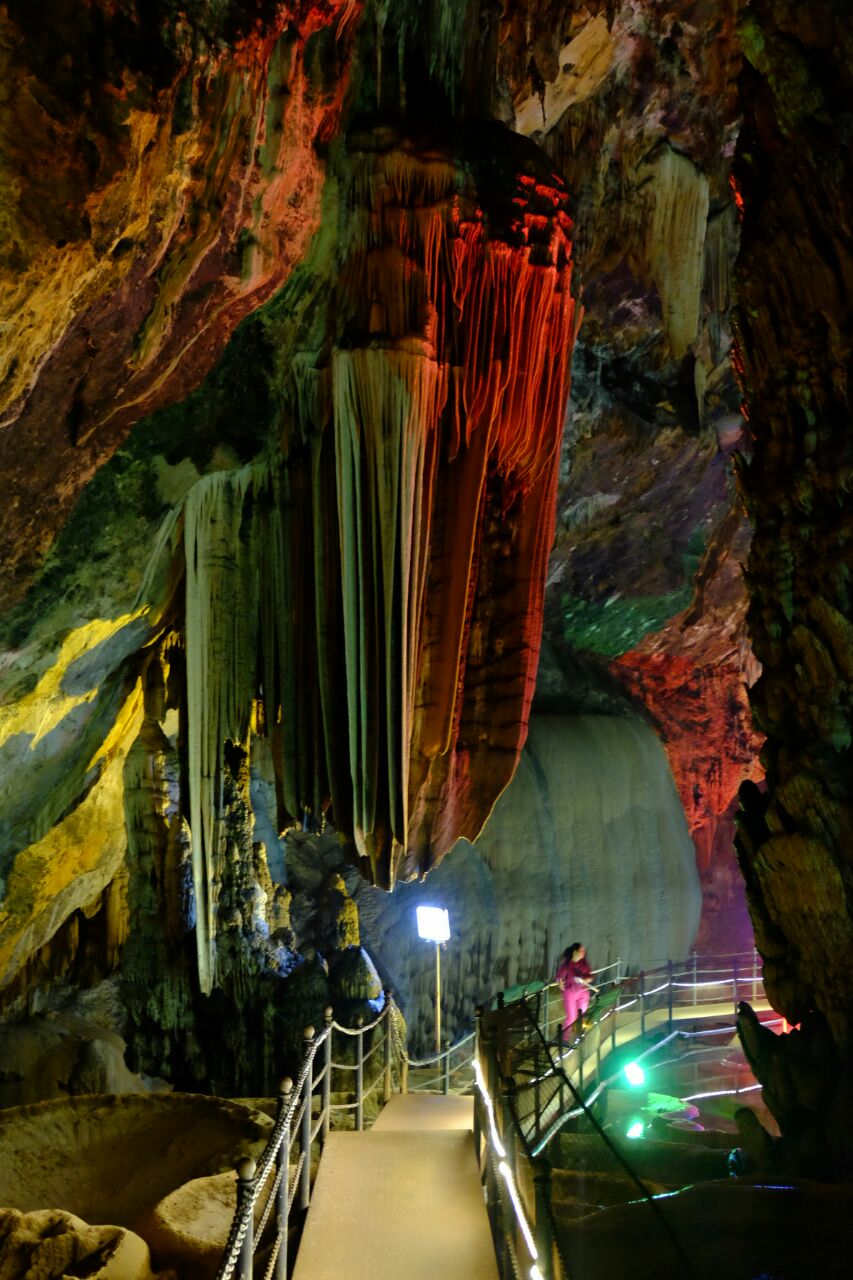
{"points": [[576, 1002]]}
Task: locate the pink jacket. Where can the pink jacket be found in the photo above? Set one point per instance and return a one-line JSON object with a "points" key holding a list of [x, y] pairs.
{"points": [[569, 970]]}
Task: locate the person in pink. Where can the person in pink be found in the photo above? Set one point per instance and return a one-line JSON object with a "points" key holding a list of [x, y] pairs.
{"points": [[573, 978]]}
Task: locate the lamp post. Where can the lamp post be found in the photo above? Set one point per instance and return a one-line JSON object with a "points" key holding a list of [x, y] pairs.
{"points": [[434, 925]]}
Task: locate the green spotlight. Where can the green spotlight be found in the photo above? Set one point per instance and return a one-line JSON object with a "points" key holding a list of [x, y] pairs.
{"points": [[635, 1129], [634, 1074]]}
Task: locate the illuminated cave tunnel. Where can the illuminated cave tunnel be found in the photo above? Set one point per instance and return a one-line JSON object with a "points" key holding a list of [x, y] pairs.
{"points": [[425, 445]]}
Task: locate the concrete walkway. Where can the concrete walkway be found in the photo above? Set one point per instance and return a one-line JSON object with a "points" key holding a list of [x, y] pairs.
{"points": [[402, 1200]]}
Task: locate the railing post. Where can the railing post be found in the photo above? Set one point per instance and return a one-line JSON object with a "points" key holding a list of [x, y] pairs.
{"points": [[598, 1053], [695, 975], [754, 972], [328, 1018], [359, 1075], [734, 983], [581, 1045], [500, 999], [561, 1075], [537, 1099], [305, 1138], [386, 1080], [246, 1205], [282, 1164], [669, 994], [542, 1228], [643, 1002]]}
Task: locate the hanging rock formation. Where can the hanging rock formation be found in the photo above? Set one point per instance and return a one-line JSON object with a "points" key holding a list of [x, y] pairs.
{"points": [[389, 569], [285, 340]]}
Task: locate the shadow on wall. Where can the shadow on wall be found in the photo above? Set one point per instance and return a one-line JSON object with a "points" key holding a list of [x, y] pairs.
{"points": [[589, 841]]}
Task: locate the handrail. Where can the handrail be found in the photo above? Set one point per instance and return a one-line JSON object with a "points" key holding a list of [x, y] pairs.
{"points": [[295, 1114], [520, 1223], [529, 1078]]}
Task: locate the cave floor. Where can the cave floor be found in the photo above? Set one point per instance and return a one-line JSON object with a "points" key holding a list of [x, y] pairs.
{"points": [[403, 1199]]}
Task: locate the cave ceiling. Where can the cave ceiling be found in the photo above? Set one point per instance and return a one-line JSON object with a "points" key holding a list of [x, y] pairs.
{"points": [[345, 351]]}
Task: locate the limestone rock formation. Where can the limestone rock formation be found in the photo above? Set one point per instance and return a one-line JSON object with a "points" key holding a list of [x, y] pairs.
{"points": [[113, 1158], [48, 1244], [161, 182], [793, 173], [591, 807], [188, 1229], [291, 297]]}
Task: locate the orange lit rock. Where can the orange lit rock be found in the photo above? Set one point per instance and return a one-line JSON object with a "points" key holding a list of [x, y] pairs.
{"points": [[143, 215]]}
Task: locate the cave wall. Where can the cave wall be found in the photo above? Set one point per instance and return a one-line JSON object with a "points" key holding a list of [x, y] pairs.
{"points": [[794, 274], [645, 574], [285, 383]]}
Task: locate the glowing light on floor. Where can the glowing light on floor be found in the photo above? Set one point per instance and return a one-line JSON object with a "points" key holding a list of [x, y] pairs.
{"points": [[635, 1129], [634, 1074]]}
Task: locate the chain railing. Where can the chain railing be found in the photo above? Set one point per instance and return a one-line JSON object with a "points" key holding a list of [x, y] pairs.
{"points": [[267, 1190], [453, 1069]]}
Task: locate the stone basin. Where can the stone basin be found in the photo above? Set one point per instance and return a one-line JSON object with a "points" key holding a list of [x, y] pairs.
{"points": [[110, 1158]]}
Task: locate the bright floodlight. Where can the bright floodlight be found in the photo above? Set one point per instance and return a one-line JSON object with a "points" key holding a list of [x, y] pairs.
{"points": [[634, 1073], [433, 923], [635, 1130]]}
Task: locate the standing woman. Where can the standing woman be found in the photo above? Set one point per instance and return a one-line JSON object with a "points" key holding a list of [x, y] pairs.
{"points": [[573, 974]]}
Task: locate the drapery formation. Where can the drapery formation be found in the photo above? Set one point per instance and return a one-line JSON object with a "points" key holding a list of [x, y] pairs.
{"points": [[374, 592]]}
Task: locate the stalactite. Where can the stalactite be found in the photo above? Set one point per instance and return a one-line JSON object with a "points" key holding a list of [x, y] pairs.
{"points": [[221, 634], [375, 593], [675, 243]]}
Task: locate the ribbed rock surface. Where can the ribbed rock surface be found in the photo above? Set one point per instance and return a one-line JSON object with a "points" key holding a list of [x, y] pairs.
{"points": [[588, 842], [109, 1158]]}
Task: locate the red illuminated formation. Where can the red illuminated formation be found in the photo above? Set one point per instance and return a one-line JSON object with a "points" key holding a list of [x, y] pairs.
{"points": [[448, 417], [389, 568]]}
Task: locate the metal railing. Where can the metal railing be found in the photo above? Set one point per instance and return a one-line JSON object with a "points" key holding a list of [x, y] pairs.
{"points": [[267, 1191], [453, 1069], [544, 1066], [530, 1083], [524, 1078]]}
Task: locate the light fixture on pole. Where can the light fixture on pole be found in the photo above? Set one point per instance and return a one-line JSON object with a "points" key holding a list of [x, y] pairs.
{"points": [[434, 925]]}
